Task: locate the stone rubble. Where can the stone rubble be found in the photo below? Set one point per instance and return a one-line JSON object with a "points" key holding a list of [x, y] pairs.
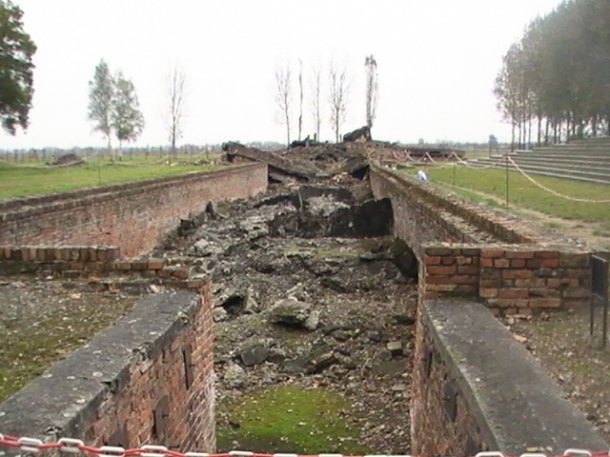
{"points": [[308, 292]]}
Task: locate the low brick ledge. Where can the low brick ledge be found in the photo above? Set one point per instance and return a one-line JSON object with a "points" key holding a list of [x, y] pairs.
{"points": [[95, 263], [9, 208], [48, 407], [516, 404]]}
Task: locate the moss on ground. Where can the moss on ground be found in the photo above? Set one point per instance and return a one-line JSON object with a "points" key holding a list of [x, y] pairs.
{"points": [[29, 346], [289, 419]]}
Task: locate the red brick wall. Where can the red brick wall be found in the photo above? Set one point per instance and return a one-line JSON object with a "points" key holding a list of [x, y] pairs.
{"points": [[131, 216], [475, 388], [511, 279], [147, 379], [441, 422], [468, 250], [190, 415]]}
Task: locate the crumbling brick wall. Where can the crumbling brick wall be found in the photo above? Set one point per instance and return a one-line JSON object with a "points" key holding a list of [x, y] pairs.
{"points": [[131, 216], [468, 250], [148, 379]]}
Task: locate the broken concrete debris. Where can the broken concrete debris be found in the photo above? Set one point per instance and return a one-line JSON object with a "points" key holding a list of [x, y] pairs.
{"points": [[306, 290]]}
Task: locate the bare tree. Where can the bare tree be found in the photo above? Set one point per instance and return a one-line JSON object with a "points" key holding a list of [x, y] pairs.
{"points": [[339, 90], [175, 92], [300, 97], [316, 101], [283, 96], [372, 89]]}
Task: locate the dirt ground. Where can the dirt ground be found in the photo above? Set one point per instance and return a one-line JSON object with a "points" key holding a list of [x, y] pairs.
{"points": [[575, 359]]}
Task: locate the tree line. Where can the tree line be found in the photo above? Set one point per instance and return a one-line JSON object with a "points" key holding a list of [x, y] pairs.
{"points": [[338, 97], [113, 104], [556, 78]]}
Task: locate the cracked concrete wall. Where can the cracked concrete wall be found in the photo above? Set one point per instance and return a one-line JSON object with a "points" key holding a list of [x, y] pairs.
{"points": [[132, 216], [148, 378]]}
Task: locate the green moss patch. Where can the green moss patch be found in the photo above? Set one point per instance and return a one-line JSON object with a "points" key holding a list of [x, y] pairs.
{"points": [[32, 344], [289, 419]]}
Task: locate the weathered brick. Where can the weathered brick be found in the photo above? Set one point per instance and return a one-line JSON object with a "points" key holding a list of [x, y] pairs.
{"points": [[447, 260], [507, 302], [571, 292], [516, 274], [546, 254], [517, 263], [568, 260], [461, 260], [156, 264], [437, 251], [441, 287], [471, 252], [492, 253], [550, 263], [122, 265], [468, 270], [488, 292], [441, 270], [513, 293], [93, 266], [490, 283], [545, 302], [432, 260], [530, 282], [487, 263], [465, 279], [544, 292], [490, 273], [139, 264], [519, 255], [534, 263], [501, 263], [15, 254]]}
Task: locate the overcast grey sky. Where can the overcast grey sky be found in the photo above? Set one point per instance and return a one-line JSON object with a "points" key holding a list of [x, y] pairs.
{"points": [[437, 60]]}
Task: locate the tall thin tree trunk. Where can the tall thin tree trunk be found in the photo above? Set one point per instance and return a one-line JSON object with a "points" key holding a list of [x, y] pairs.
{"points": [[287, 131]]}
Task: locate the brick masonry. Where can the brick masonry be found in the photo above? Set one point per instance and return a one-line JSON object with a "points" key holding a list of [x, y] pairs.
{"points": [[130, 216], [468, 250], [95, 264], [148, 379], [475, 388]]}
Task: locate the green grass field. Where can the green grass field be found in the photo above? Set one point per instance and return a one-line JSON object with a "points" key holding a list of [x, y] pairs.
{"points": [[472, 183], [30, 178]]}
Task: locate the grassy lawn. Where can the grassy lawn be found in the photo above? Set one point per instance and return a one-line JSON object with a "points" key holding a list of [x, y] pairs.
{"points": [[523, 193], [28, 179]]}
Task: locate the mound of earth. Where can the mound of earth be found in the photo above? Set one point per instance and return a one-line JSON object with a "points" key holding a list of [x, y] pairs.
{"points": [[67, 160]]}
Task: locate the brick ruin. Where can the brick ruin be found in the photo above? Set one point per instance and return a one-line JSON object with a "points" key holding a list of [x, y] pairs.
{"points": [[473, 385]]}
